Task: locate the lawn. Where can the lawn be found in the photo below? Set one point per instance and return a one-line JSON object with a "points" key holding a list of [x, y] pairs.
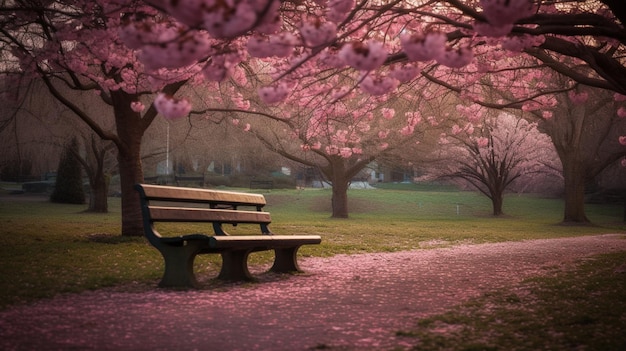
{"points": [[51, 248]]}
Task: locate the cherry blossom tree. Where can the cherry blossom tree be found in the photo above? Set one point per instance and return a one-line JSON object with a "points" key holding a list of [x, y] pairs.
{"points": [[494, 153], [380, 45], [74, 48], [338, 130], [369, 36], [586, 145], [585, 126], [458, 41]]}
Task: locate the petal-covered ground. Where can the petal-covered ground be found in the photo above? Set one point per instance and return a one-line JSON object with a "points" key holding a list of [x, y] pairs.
{"points": [[352, 302]]}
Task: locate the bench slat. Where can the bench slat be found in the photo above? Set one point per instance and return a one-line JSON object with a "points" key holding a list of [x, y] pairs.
{"points": [[252, 241], [183, 214], [168, 193]]}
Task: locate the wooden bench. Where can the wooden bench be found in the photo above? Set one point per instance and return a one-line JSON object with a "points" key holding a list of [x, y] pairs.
{"points": [[174, 204]]}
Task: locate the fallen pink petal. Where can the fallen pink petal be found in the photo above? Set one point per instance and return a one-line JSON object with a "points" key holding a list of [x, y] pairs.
{"points": [[350, 302]]}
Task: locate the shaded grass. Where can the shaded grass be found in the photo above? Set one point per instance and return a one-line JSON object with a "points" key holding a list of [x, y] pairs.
{"points": [[581, 309], [48, 249]]}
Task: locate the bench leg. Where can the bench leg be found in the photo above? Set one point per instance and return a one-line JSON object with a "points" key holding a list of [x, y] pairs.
{"points": [[179, 266], [285, 260], [235, 266]]}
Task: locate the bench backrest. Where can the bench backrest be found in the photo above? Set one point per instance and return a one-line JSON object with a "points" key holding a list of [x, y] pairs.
{"points": [[200, 205]]}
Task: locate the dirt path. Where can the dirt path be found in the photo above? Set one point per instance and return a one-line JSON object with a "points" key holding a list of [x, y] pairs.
{"points": [[353, 302]]}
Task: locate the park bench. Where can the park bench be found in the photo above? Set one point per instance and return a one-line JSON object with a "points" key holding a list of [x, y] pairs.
{"points": [[175, 204]]}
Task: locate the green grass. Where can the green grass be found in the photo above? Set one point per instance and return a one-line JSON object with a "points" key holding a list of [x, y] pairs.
{"points": [[582, 309], [48, 249]]}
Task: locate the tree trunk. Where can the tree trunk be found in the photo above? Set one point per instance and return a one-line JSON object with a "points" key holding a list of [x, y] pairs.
{"points": [[98, 198], [339, 176], [574, 179], [340, 199], [497, 200], [130, 130]]}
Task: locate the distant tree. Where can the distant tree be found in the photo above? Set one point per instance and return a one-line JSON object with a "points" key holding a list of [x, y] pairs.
{"points": [[69, 182], [494, 155], [97, 165]]}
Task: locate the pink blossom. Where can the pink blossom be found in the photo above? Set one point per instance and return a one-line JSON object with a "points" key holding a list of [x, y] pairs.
{"points": [[338, 10], [186, 11], [621, 112], [329, 57], [407, 130], [165, 52], [271, 20], [619, 97], [383, 146], [137, 106], [363, 56], [247, 127], [404, 73], [170, 107], [279, 45], [332, 150], [547, 114], [456, 58], [578, 98], [622, 139], [383, 134], [413, 118], [432, 121], [345, 152], [228, 21], [418, 47], [378, 84], [482, 142], [473, 112], [388, 113], [456, 129], [341, 136], [503, 12], [318, 33], [274, 93], [240, 102], [316, 145]]}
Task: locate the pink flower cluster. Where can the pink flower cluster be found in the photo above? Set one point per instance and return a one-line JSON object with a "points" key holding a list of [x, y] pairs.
{"points": [[377, 84], [505, 12], [274, 93], [165, 46], [432, 46], [578, 98], [137, 106], [364, 56], [279, 45], [317, 33], [225, 19], [170, 107], [338, 10]]}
